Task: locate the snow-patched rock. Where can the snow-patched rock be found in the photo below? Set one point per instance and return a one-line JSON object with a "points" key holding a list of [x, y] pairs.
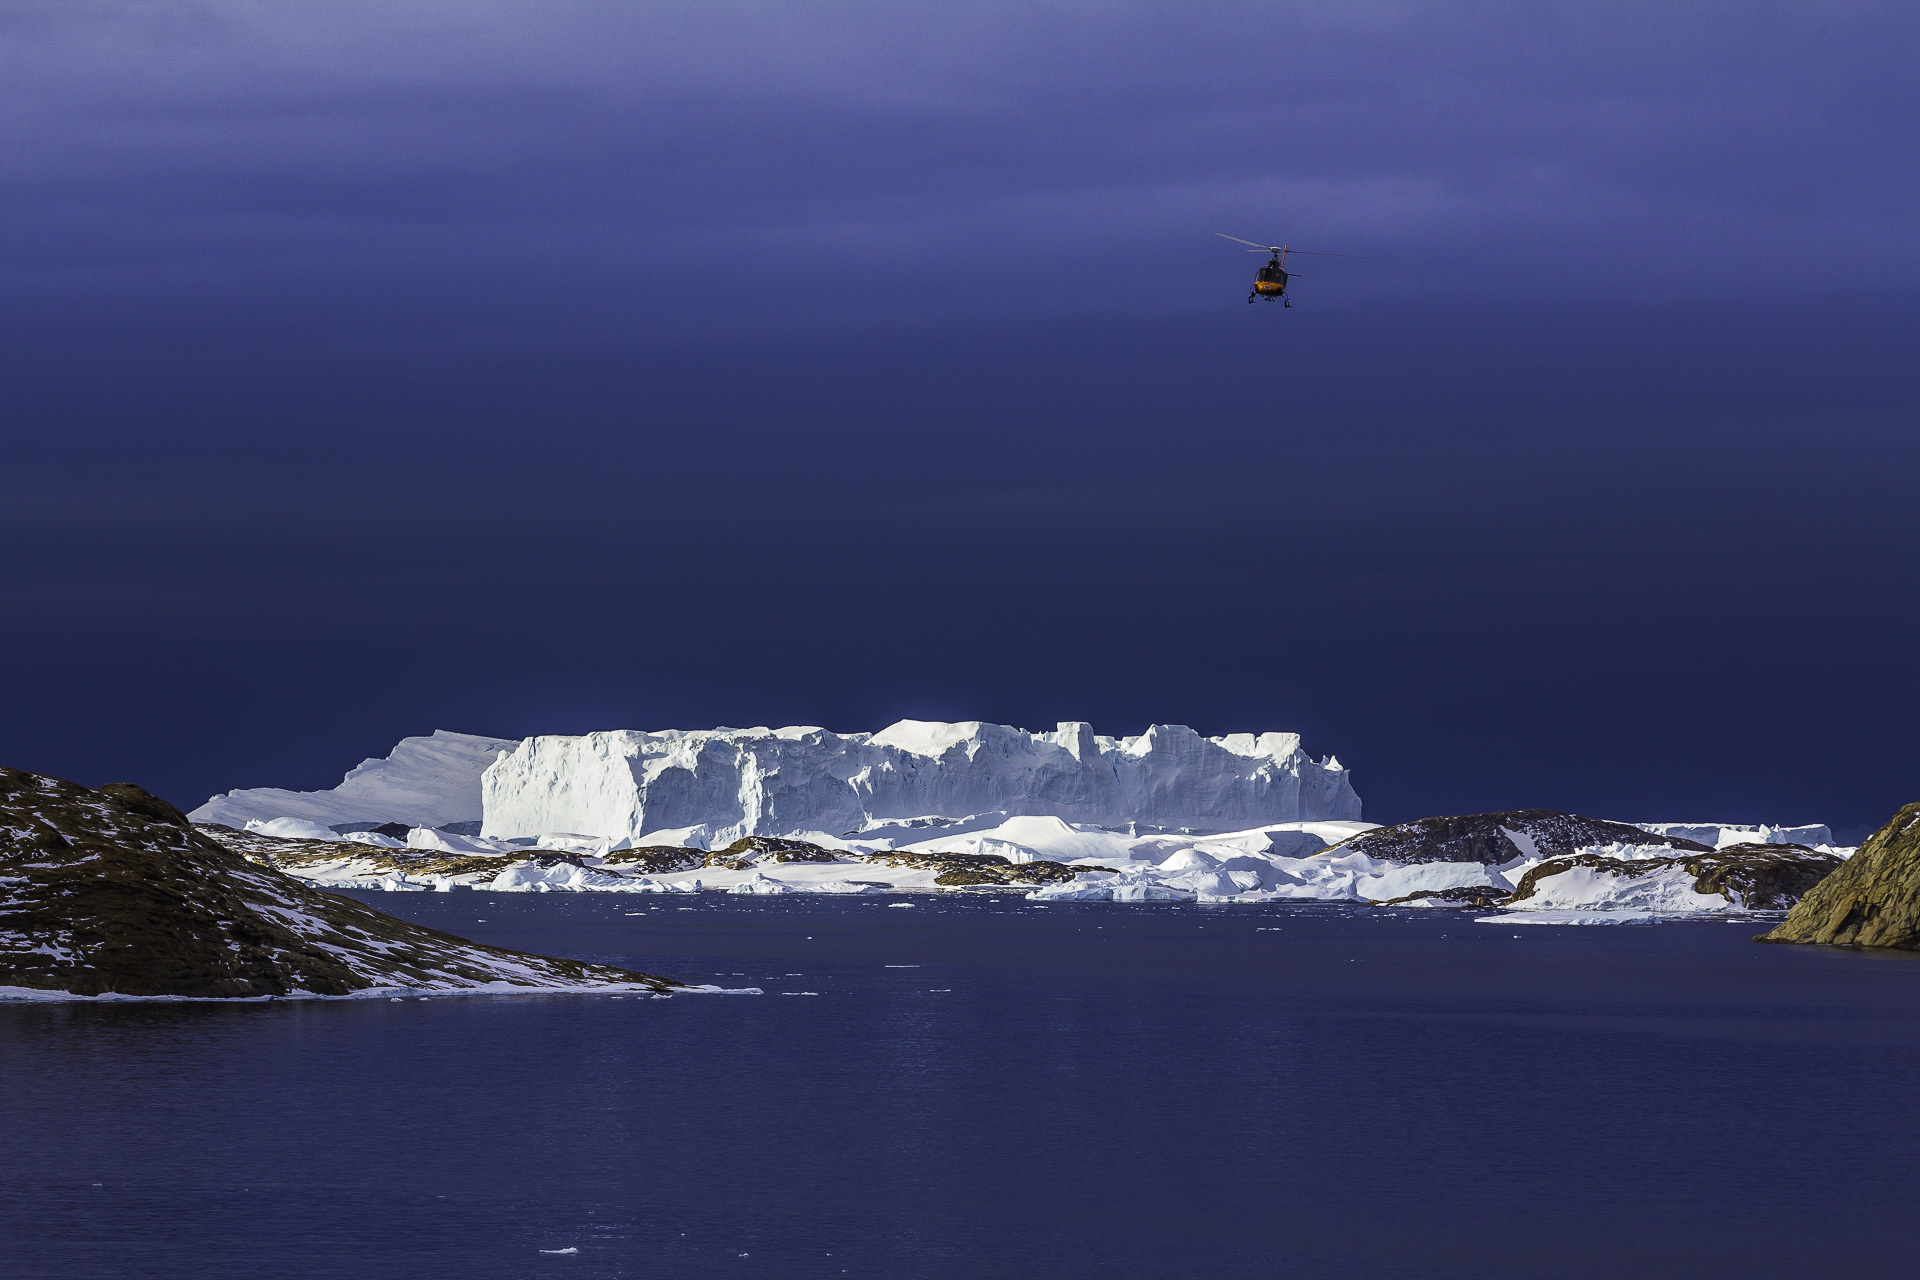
{"points": [[430, 781], [112, 893], [726, 783], [1654, 880]]}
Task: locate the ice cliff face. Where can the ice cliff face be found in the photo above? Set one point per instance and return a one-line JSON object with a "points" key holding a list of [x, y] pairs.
{"points": [[720, 784]]}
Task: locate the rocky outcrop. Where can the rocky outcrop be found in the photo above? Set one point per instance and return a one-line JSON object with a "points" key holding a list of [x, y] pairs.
{"points": [[1032, 874], [1750, 877], [1496, 839], [1476, 897], [114, 891], [753, 851], [957, 870], [1762, 877], [656, 859], [1872, 900]]}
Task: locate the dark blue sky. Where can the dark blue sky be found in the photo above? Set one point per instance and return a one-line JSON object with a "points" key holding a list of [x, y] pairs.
{"points": [[370, 369]]}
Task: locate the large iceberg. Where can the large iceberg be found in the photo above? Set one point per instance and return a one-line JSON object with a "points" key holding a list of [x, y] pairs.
{"points": [[728, 783], [432, 781]]}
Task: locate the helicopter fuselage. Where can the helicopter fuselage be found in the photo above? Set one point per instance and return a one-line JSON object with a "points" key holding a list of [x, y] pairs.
{"points": [[1270, 281]]}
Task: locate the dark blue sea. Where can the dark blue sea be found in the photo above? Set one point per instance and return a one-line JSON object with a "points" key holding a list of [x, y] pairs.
{"points": [[987, 1088]]}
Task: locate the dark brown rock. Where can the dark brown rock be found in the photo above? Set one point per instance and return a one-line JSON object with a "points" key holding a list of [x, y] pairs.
{"points": [[1871, 900], [1038, 872], [1479, 897], [753, 851], [1485, 838], [657, 859], [1762, 877]]}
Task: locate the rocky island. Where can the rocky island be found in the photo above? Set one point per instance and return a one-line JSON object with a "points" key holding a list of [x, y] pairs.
{"points": [[114, 892]]}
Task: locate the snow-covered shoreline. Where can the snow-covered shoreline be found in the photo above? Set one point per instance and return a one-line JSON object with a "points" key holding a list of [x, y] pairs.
{"points": [[1050, 861]]}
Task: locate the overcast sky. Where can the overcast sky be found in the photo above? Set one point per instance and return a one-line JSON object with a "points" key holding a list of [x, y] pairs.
{"points": [[513, 368]]}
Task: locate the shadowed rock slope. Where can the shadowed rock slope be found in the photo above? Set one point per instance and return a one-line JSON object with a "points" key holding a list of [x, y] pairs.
{"points": [[114, 891], [1871, 900], [1498, 838]]}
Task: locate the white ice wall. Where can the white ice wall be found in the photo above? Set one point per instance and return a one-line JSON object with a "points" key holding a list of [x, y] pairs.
{"points": [[628, 783], [1719, 835]]}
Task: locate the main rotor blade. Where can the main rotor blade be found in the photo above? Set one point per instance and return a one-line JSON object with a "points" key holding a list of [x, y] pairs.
{"points": [[1316, 254], [1264, 248]]}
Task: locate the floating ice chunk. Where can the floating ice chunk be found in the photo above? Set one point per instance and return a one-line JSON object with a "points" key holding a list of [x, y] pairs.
{"points": [[398, 883], [531, 877], [1083, 888], [839, 886], [292, 829], [1147, 891], [1131, 886], [761, 883]]}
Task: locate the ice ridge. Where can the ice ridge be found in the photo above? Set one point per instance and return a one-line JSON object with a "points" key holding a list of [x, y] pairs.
{"points": [[430, 781]]}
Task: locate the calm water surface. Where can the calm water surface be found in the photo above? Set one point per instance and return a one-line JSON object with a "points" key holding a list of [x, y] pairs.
{"points": [[984, 1088]]}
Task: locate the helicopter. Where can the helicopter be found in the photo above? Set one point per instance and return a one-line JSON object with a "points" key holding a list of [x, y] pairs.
{"points": [[1270, 281]]}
